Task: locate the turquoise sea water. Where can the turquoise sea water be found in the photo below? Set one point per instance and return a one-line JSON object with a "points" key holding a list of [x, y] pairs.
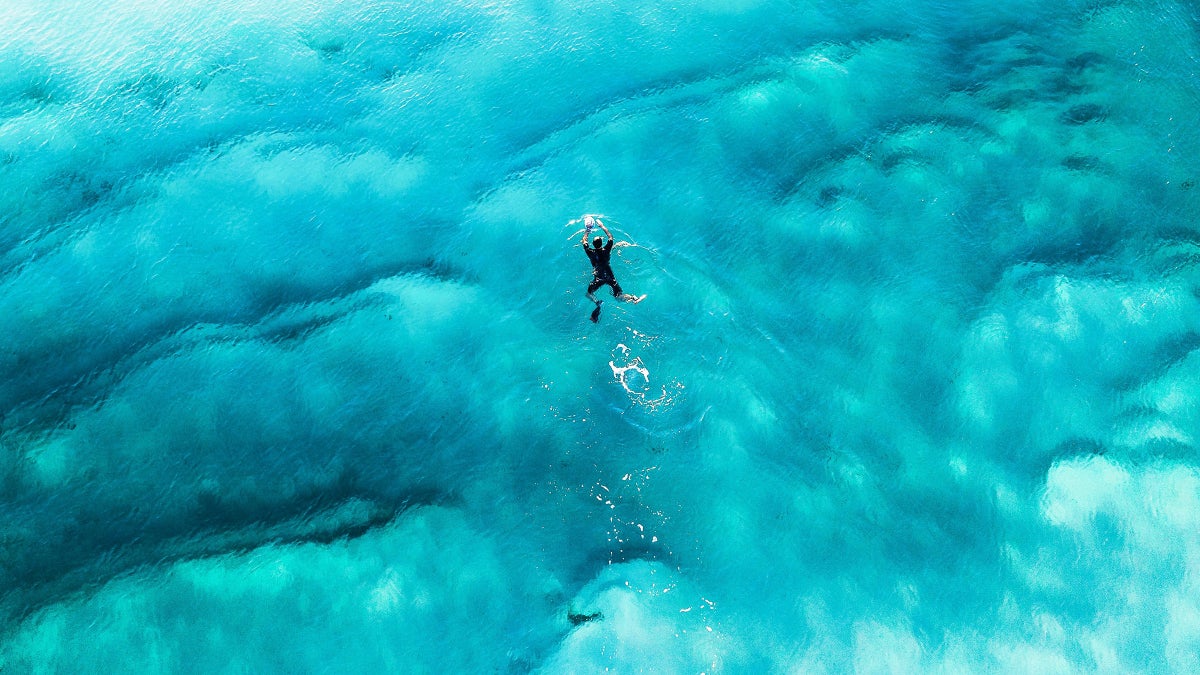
{"points": [[297, 372]]}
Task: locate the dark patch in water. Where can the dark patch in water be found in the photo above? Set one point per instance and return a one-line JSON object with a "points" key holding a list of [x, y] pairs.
{"points": [[40, 397], [640, 551], [102, 544], [1013, 99], [829, 195], [578, 619], [1085, 61], [154, 89], [1082, 163], [897, 158], [77, 191], [1175, 349], [1091, 242], [1075, 447], [597, 559], [1084, 114], [328, 50], [1166, 354], [37, 91]]}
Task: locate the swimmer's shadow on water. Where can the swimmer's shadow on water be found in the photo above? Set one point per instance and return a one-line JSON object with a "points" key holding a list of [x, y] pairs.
{"points": [[649, 552], [578, 618]]}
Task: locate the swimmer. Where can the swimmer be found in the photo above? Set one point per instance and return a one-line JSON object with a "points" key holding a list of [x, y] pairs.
{"points": [[598, 253]]}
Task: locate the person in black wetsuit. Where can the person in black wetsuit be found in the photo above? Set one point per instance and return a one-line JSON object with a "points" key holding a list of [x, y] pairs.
{"points": [[599, 253]]}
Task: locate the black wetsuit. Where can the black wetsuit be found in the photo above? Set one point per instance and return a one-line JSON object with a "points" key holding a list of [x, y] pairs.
{"points": [[601, 270]]}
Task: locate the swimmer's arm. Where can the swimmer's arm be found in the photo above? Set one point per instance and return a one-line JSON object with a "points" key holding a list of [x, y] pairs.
{"points": [[587, 229], [617, 244]]}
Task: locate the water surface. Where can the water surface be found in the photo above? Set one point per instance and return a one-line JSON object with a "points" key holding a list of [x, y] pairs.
{"points": [[298, 373]]}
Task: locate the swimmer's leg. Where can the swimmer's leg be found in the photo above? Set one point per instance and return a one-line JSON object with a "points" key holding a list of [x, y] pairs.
{"points": [[623, 296], [590, 290]]}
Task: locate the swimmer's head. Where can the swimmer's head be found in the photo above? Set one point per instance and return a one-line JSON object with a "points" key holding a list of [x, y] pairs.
{"points": [[598, 242]]}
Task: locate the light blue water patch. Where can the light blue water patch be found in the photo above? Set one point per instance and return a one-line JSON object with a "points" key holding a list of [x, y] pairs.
{"points": [[298, 372]]}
